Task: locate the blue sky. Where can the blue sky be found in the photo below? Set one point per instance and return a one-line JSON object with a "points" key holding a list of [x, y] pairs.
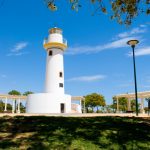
{"points": [[97, 59]]}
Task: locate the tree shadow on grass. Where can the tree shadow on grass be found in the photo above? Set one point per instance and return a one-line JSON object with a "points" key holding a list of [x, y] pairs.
{"points": [[71, 133]]}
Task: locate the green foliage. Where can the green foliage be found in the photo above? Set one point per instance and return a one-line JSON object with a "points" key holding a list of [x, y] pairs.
{"points": [[74, 133], [122, 102], [27, 93], [133, 105], [94, 100], [109, 109], [2, 105], [22, 108], [114, 105], [9, 107], [146, 109], [124, 11], [14, 92]]}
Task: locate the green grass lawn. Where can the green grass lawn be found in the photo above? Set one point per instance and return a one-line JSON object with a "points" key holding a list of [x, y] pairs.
{"points": [[69, 133]]}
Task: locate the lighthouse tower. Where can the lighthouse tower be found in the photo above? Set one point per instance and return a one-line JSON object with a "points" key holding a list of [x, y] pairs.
{"points": [[54, 100], [55, 47]]}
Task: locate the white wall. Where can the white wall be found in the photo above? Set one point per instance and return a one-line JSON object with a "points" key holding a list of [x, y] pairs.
{"points": [[47, 103], [54, 66], [55, 37]]}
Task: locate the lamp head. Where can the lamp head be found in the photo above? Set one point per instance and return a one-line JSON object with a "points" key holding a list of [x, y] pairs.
{"points": [[133, 42]]}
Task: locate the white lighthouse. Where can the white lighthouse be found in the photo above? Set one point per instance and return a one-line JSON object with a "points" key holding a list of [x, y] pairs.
{"points": [[55, 46], [54, 100]]}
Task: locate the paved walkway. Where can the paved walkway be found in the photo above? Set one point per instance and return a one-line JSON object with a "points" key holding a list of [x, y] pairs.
{"points": [[77, 115]]}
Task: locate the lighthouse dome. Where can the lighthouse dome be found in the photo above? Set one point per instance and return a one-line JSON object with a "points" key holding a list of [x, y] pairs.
{"points": [[55, 30]]}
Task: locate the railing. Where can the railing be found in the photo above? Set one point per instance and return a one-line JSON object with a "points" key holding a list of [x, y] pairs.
{"points": [[46, 41], [65, 41]]}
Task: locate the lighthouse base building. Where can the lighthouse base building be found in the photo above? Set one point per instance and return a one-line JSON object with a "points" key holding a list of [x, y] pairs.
{"points": [[48, 103], [54, 99]]}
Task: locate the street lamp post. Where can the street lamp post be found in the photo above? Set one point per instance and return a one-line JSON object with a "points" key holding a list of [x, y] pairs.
{"points": [[132, 43]]}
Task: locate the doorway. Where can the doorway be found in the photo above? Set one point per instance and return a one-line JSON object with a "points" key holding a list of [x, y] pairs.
{"points": [[62, 108]]}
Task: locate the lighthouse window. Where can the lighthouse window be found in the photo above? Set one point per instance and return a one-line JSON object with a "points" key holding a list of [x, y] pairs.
{"points": [[60, 74], [60, 84], [50, 53]]}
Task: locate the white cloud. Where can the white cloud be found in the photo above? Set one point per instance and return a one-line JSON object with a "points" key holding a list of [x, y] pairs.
{"points": [[19, 46], [137, 31], [118, 42], [146, 86], [17, 49], [88, 78], [133, 32], [17, 54], [143, 26], [123, 35], [3, 76], [126, 85], [141, 51], [94, 49]]}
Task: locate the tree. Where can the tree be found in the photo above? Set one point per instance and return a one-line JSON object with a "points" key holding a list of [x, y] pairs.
{"points": [[124, 11], [9, 107], [94, 100], [122, 102], [22, 108], [114, 105], [2, 105], [109, 109], [146, 109], [133, 105], [14, 92], [27, 93]]}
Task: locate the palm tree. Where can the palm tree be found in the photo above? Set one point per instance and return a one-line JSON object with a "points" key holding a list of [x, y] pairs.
{"points": [[27, 93], [14, 92], [148, 101]]}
